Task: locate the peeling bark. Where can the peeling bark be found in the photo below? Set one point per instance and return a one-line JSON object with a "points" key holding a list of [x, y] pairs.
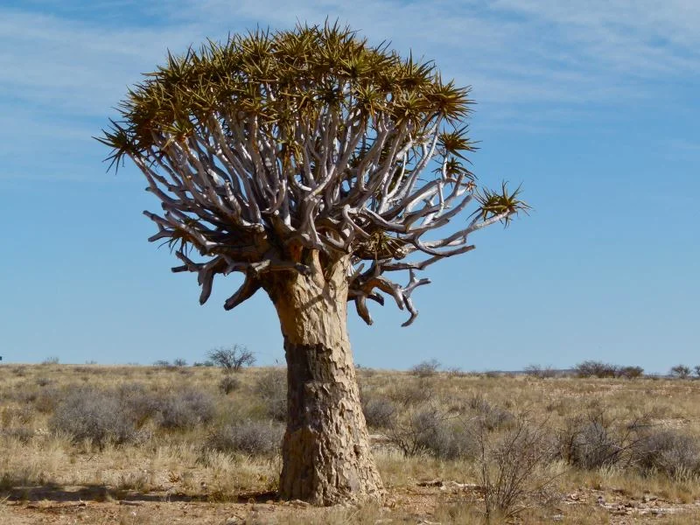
{"points": [[326, 453]]}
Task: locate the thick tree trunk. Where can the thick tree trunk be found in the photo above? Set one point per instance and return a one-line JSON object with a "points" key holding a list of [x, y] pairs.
{"points": [[326, 453]]}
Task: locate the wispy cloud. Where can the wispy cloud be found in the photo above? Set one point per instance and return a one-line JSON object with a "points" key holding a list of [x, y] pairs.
{"points": [[75, 66], [528, 59]]}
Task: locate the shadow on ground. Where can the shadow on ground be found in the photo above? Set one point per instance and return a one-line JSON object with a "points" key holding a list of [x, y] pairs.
{"points": [[20, 490]]}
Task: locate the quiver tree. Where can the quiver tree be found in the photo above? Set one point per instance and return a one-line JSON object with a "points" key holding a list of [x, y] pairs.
{"points": [[319, 167]]}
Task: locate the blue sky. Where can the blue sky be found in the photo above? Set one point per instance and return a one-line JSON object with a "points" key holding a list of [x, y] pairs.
{"points": [[592, 105]]}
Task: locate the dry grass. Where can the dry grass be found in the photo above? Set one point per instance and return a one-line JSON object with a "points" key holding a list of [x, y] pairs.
{"points": [[196, 451]]}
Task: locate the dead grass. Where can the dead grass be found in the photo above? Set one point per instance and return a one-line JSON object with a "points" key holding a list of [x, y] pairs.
{"points": [[178, 470]]}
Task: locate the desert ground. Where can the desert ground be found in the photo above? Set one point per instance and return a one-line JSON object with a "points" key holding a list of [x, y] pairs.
{"points": [[195, 444]]}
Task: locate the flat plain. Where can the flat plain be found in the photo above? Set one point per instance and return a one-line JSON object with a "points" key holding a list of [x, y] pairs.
{"points": [[175, 444]]}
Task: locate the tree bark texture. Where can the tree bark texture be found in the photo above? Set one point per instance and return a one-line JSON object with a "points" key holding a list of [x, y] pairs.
{"points": [[326, 453]]}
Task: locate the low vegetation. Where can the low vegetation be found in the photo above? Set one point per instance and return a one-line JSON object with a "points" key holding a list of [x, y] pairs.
{"points": [[451, 447]]}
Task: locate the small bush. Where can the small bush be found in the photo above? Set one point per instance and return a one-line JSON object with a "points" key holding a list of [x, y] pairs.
{"points": [[426, 368], [412, 394], [452, 441], [185, 409], [95, 415], [593, 446], [19, 371], [19, 415], [180, 362], [427, 431], [138, 401], [597, 440], [513, 468], [379, 412], [414, 434], [670, 453], [46, 399], [22, 434], [44, 381], [271, 389], [256, 438], [491, 417], [229, 384]]}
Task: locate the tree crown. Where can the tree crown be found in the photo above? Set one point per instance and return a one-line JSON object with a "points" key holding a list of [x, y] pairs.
{"points": [[273, 145]]}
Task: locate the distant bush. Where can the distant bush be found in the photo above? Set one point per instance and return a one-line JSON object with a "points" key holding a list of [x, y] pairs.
{"points": [[426, 368], [95, 415], [596, 369], [630, 372], [271, 389], [606, 370], [53, 360], [540, 371], [256, 438], [180, 362], [455, 371], [680, 371], [233, 358]]}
